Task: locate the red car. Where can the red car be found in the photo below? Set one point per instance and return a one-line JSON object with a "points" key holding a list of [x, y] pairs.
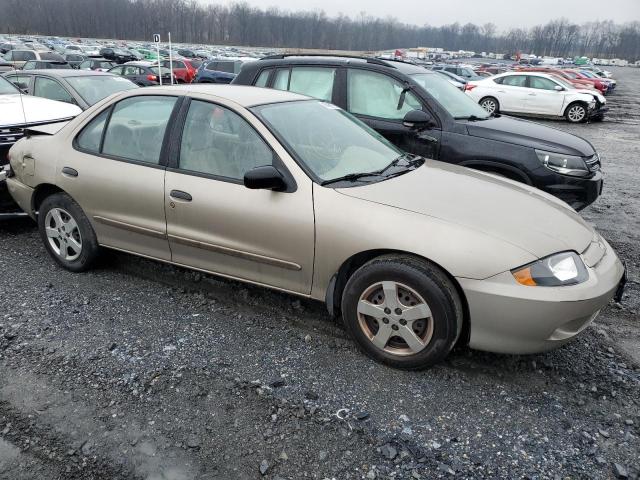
{"points": [[600, 85], [183, 69], [576, 82]]}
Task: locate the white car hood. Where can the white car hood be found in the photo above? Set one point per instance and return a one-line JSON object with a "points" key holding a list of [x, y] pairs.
{"points": [[16, 109]]}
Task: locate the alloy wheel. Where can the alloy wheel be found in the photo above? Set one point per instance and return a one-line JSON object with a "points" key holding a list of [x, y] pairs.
{"points": [[395, 318], [489, 105], [577, 113], [63, 234]]}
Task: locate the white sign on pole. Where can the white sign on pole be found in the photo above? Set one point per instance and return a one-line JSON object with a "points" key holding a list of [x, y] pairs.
{"points": [[156, 39], [170, 59]]}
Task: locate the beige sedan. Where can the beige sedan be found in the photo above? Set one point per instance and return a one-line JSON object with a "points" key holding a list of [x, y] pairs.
{"points": [[290, 193]]}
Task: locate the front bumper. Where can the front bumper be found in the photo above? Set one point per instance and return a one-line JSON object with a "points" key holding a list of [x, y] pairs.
{"points": [[576, 191], [507, 317]]}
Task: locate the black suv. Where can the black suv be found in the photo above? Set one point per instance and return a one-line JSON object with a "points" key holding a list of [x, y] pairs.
{"points": [[116, 55], [422, 113]]}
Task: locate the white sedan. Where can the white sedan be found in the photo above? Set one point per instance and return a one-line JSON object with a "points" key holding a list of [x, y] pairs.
{"points": [[537, 94]]}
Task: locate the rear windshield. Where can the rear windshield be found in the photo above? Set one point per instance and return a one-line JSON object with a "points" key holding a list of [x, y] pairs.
{"points": [[51, 56], [94, 88]]}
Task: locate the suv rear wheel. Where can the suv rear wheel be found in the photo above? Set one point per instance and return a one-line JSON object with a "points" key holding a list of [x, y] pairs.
{"points": [[402, 311]]}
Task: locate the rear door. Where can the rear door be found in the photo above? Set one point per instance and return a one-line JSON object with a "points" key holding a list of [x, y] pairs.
{"points": [[216, 224], [512, 93], [116, 173], [381, 102]]}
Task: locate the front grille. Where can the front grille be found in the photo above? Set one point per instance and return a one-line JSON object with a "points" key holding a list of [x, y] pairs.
{"points": [[10, 135], [593, 162]]}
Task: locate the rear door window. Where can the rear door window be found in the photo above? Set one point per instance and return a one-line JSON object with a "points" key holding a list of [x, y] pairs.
{"points": [[378, 95], [47, 88], [515, 81], [137, 127], [316, 82]]}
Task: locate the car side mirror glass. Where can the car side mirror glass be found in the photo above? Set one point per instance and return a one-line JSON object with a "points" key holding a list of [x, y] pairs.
{"points": [[266, 177], [418, 119], [558, 88]]}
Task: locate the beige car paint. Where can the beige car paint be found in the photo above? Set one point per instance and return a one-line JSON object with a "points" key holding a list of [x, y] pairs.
{"points": [[476, 227]]}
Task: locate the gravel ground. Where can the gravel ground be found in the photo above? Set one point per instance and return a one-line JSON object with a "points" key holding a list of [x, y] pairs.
{"points": [[139, 370]]}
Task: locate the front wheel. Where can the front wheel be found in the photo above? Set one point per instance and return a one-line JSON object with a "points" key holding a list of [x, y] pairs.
{"points": [[576, 113], [402, 311], [67, 233]]}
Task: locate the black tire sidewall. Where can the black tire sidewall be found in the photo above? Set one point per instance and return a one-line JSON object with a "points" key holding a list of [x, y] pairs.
{"points": [[90, 247], [431, 285]]}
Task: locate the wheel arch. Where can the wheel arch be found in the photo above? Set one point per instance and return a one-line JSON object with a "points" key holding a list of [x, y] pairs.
{"points": [[338, 282], [41, 192], [509, 171], [584, 103]]}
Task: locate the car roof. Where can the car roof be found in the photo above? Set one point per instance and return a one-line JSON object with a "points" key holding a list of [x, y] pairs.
{"points": [[372, 62], [55, 72], [245, 96]]}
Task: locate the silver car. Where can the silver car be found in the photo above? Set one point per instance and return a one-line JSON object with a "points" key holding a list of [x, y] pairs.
{"points": [[291, 193]]}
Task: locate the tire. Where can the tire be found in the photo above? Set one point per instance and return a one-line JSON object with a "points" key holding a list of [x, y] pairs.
{"points": [[490, 104], [66, 233], [576, 113], [430, 334]]}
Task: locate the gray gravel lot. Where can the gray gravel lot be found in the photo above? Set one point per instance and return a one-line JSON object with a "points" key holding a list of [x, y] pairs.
{"points": [[139, 370]]}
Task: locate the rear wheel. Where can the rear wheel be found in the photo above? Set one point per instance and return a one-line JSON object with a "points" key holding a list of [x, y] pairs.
{"points": [[490, 104], [576, 113], [66, 232], [402, 311]]}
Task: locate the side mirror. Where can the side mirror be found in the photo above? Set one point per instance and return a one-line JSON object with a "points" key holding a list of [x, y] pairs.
{"points": [[558, 88], [418, 119], [266, 177]]}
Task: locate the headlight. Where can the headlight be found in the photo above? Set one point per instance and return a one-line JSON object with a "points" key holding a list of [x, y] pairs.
{"points": [[558, 270], [564, 164]]}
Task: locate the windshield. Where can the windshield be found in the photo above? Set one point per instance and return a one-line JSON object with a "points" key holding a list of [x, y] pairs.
{"points": [[6, 87], [458, 104], [563, 82], [94, 88], [329, 141]]}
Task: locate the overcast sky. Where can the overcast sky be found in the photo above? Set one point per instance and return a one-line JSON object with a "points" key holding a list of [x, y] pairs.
{"points": [[504, 13]]}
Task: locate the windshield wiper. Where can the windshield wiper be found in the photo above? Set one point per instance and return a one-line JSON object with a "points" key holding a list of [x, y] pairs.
{"points": [[471, 118], [351, 177], [413, 161]]}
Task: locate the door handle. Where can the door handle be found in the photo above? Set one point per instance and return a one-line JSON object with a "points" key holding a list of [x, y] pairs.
{"points": [[180, 195], [69, 172]]}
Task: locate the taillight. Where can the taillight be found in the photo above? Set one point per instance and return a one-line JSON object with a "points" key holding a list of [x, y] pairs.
{"points": [[468, 87], [152, 78]]}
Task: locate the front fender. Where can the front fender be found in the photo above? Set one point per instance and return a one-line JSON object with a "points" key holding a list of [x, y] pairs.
{"points": [[346, 226]]}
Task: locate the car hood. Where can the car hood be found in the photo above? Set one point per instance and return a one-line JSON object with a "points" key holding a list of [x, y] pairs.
{"points": [[507, 210], [36, 110], [530, 134]]}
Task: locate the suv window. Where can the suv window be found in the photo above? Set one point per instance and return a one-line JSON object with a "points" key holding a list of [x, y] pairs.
{"points": [[136, 128], [51, 56], [21, 56], [47, 88], [316, 82], [263, 78], [515, 80], [541, 83], [378, 95], [217, 141], [91, 135]]}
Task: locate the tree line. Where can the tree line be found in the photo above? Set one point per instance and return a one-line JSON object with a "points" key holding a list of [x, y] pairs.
{"points": [[241, 24]]}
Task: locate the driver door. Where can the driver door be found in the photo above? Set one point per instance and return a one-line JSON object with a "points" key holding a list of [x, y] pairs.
{"points": [[381, 102], [544, 99], [216, 224]]}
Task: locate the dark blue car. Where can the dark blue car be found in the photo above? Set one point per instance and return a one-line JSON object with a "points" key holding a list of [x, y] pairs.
{"points": [[218, 71]]}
